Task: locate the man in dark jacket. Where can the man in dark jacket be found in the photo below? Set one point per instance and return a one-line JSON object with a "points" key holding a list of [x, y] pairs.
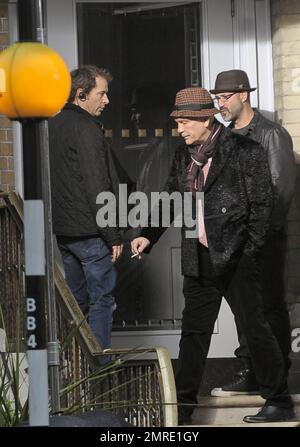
{"points": [[232, 89], [80, 170], [223, 260]]}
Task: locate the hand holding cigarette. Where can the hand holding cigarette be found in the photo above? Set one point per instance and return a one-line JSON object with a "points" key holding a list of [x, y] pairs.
{"points": [[138, 245], [133, 256]]}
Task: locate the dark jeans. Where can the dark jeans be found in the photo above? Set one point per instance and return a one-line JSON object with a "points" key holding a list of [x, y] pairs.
{"points": [[273, 293], [241, 288], [91, 277]]}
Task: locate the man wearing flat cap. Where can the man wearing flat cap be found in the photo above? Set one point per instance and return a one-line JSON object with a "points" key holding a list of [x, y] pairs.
{"points": [[232, 92], [222, 259]]}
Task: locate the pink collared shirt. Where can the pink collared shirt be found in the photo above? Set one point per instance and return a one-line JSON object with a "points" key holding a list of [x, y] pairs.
{"points": [[202, 232]]}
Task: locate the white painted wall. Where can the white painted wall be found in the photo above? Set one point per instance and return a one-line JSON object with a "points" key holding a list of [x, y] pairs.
{"points": [[61, 30], [239, 39], [265, 81], [217, 40]]}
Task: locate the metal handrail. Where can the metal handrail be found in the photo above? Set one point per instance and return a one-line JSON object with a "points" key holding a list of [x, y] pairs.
{"points": [[150, 382]]}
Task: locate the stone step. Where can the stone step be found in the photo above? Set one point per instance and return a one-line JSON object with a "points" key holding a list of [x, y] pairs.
{"points": [[230, 411], [237, 401], [246, 425], [231, 401]]}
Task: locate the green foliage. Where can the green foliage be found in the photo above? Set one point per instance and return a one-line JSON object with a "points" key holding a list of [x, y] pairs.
{"points": [[106, 386], [13, 403], [111, 386]]}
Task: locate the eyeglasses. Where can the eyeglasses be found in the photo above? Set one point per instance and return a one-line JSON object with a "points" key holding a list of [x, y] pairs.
{"points": [[224, 98]]}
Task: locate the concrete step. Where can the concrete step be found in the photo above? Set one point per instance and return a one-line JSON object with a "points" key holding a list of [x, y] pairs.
{"points": [[230, 411], [237, 401]]}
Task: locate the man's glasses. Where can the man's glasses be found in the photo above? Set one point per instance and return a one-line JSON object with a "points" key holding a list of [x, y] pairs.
{"points": [[223, 98]]}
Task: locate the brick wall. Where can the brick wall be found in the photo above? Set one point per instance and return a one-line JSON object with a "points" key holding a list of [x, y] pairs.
{"points": [[7, 176], [286, 60]]}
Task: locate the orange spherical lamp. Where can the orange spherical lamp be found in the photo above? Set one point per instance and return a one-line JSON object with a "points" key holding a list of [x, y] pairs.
{"points": [[34, 81]]}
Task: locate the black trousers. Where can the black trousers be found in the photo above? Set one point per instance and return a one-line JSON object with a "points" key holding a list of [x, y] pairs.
{"points": [[273, 294], [242, 289]]}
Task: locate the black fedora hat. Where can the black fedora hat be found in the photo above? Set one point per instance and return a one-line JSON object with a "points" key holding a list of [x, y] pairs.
{"points": [[232, 81]]}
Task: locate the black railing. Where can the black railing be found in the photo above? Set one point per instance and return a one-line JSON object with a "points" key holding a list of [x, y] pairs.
{"points": [[136, 388]]}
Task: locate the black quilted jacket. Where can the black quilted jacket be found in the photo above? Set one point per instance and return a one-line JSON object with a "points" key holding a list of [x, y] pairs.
{"points": [[238, 201], [81, 168]]}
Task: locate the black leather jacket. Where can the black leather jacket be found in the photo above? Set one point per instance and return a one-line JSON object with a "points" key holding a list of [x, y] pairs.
{"points": [[278, 143]]}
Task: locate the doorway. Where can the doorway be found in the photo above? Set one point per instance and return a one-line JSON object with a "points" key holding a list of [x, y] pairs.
{"points": [[152, 50]]}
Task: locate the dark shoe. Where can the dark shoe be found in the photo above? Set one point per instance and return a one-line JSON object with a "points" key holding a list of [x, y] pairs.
{"points": [[185, 414], [244, 383], [271, 413], [185, 421]]}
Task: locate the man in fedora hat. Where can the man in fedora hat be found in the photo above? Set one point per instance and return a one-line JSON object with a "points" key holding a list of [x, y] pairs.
{"points": [[221, 260], [232, 90]]}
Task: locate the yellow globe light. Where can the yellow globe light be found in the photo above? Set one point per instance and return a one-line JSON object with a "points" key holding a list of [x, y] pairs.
{"points": [[34, 81]]}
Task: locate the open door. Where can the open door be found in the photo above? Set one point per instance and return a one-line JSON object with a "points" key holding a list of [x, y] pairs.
{"points": [[153, 50]]}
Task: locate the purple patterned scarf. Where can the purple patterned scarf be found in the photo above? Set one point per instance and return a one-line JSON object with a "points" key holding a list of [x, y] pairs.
{"points": [[200, 154]]}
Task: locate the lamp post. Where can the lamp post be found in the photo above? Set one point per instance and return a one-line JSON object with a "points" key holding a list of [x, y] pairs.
{"points": [[31, 27], [35, 85]]}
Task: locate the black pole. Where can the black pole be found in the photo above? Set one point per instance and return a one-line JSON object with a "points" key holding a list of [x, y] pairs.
{"points": [[32, 163], [31, 27], [34, 230], [27, 20], [32, 168]]}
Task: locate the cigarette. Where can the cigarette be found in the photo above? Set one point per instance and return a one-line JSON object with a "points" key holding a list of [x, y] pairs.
{"points": [[136, 254]]}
